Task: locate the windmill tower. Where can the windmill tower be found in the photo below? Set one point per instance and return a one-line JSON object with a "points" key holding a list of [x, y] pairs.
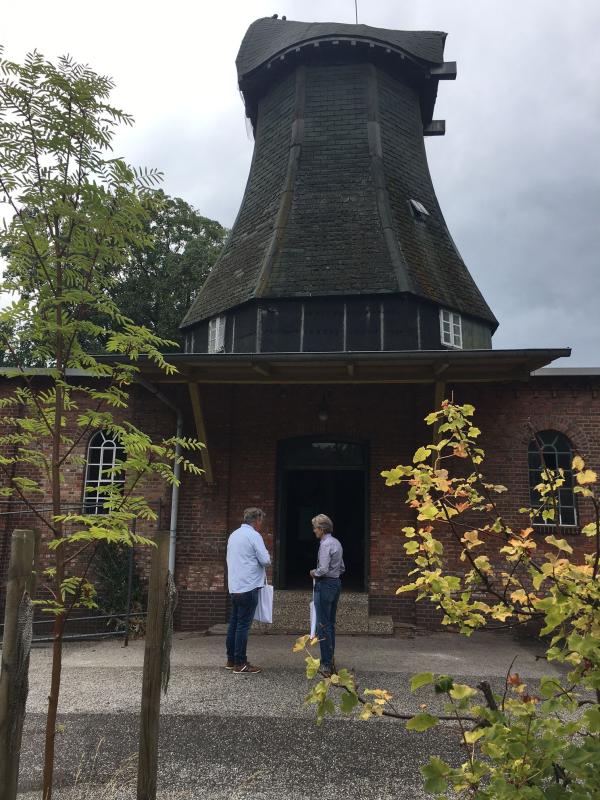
{"points": [[340, 244]]}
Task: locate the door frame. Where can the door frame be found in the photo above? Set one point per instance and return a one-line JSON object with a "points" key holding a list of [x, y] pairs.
{"points": [[281, 498]]}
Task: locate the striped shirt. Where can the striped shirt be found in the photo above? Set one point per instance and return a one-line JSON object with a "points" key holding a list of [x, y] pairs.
{"points": [[330, 562]]}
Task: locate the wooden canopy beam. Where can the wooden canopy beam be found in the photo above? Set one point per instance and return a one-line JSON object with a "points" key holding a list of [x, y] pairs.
{"points": [[201, 431]]}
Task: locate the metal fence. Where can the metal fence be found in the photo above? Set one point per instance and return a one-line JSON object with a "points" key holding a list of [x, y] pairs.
{"points": [[80, 624]]}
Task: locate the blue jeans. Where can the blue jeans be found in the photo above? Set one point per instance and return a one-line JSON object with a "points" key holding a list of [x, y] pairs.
{"points": [[327, 594], [243, 606]]}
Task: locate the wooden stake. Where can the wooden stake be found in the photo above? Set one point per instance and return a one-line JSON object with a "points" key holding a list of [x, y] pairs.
{"points": [[21, 580], [150, 716]]}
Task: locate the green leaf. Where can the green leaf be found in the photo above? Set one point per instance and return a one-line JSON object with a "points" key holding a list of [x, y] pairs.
{"points": [[312, 666], [473, 736], [592, 718], [435, 774], [422, 454], [422, 679], [348, 702], [428, 511], [443, 684], [421, 722]]}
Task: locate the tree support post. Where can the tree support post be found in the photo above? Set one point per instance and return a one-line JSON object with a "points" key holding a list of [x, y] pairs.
{"points": [[18, 616], [153, 661]]}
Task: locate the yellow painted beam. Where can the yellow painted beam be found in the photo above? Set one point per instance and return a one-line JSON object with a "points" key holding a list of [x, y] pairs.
{"points": [[201, 431]]}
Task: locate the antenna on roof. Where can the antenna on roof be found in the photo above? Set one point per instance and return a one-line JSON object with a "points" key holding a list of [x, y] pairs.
{"points": [[356, 11]]}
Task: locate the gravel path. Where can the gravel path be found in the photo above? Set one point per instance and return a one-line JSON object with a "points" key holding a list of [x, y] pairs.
{"points": [[233, 737]]}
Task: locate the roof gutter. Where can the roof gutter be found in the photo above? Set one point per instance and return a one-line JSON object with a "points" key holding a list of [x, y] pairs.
{"points": [[176, 469]]}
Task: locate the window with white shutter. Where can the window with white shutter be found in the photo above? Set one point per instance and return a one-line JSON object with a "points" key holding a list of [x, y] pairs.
{"points": [[216, 335], [451, 328]]}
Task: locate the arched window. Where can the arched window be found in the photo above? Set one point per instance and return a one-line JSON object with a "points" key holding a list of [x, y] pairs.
{"points": [[552, 450], [104, 452]]}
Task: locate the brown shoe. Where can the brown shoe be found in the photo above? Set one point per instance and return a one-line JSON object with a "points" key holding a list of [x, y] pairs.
{"points": [[246, 669], [229, 665]]}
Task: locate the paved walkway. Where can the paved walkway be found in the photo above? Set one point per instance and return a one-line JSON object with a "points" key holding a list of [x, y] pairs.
{"points": [[238, 737]]}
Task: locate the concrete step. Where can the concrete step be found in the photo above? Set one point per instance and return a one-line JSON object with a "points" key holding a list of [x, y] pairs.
{"points": [[381, 625], [291, 612], [291, 616]]}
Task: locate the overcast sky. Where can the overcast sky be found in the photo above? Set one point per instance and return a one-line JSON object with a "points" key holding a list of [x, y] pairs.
{"points": [[517, 174]]}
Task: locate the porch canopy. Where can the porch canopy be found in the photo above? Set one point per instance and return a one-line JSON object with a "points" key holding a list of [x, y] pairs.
{"points": [[412, 366], [435, 367]]}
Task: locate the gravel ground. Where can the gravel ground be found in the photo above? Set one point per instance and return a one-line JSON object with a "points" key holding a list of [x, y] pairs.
{"points": [[230, 737]]}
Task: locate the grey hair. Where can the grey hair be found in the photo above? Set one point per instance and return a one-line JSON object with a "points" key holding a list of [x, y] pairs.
{"points": [[322, 521], [253, 514]]}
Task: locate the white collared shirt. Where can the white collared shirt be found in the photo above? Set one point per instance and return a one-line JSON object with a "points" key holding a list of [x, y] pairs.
{"points": [[247, 558]]}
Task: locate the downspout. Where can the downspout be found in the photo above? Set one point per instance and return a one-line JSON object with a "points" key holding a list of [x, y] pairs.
{"points": [[176, 469], [175, 496]]}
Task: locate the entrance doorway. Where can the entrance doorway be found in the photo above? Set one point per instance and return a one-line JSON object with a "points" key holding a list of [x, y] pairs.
{"points": [[321, 477]]}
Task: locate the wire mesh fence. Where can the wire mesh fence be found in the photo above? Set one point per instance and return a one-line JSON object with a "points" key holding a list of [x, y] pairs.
{"points": [[121, 618]]}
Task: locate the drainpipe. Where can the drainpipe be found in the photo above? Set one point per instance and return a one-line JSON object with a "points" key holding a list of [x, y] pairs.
{"points": [[176, 469], [175, 496]]}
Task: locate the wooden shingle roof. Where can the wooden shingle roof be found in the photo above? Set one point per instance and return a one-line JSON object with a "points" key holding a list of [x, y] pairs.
{"points": [[338, 170]]}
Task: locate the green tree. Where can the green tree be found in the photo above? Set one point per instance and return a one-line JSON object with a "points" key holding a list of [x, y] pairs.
{"points": [[157, 285], [530, 742], [158, 282], [78, 216]]}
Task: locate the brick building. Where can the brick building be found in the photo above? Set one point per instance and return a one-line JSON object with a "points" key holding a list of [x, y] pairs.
{"points": [[338, 315]]}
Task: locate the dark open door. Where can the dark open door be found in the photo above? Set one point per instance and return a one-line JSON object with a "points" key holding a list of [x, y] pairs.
{"points": [[321, 477]]}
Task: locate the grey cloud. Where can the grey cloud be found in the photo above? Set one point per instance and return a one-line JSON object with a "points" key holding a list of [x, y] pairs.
{"points": [[517, 175]]}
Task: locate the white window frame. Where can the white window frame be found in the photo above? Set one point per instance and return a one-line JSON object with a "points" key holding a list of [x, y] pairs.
{"points": [[451, 329], [216, 335], [418, 209], [103, 452]]}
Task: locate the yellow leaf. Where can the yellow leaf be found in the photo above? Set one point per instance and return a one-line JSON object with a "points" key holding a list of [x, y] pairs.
{"points": [[483, 563], [472, 538], [587, 476], [472, 736], [519, 596], [561, 544], [460, 691], [589, 529], [300, 643], [578, 463]]}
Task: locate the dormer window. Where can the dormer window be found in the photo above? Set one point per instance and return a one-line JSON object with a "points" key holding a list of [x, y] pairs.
{"points": [[451, 329], [418, 209], [216, 335]]}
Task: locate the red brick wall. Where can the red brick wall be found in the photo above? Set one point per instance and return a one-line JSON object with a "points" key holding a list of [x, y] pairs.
{"points": [[148, 413], [245, 422]]}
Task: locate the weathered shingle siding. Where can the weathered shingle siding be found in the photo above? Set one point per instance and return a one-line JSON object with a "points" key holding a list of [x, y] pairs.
{"points": [[436, 268], [233, 279], [334, 241], [339, 155]]}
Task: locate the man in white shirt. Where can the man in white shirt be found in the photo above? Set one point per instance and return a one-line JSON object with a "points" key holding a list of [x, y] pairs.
{"points": [[247, 558]]}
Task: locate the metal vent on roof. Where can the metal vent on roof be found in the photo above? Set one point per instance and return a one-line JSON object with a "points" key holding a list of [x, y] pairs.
{"points": [[418, 208]]}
